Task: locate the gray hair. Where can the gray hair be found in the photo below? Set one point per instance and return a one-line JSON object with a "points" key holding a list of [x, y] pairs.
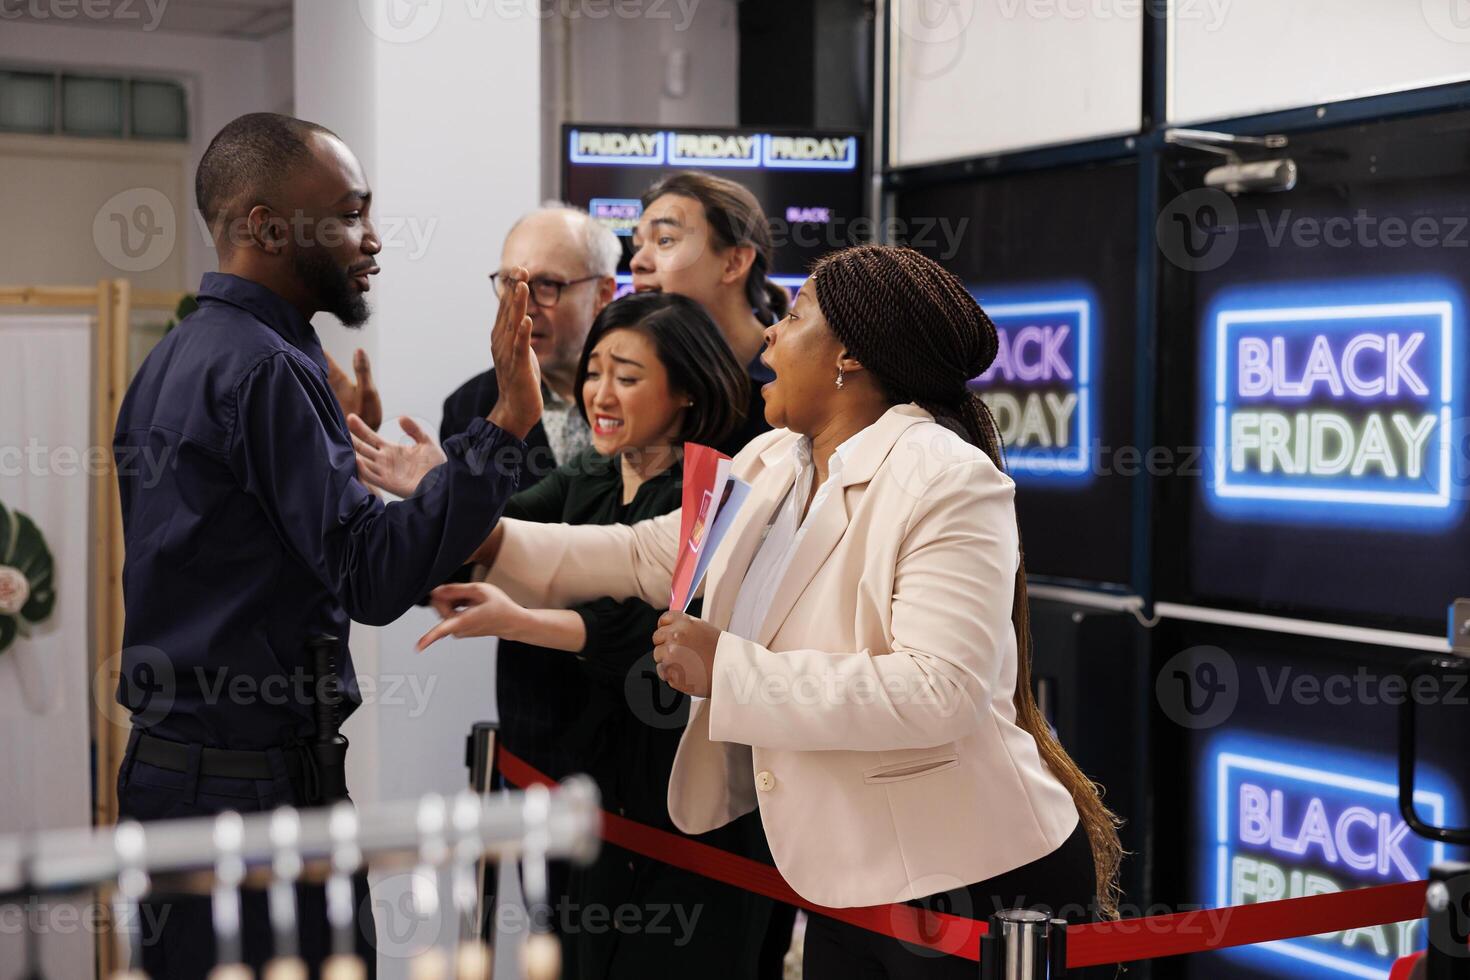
{"points": [[600, 246]]}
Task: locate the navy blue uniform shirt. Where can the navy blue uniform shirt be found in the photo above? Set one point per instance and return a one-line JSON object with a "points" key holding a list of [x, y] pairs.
{"points": [[247, 530]]}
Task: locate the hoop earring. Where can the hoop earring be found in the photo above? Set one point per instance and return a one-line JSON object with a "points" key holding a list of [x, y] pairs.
{"points": [[839, 375]]}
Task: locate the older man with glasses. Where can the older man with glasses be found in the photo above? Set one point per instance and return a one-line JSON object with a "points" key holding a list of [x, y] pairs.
{"points": [[571, 260]]}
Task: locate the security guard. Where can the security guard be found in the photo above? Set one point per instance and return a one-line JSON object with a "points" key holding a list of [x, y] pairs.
{"points": [[248, 533]]}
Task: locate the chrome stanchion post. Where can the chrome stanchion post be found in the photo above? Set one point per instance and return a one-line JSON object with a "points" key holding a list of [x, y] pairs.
{"points": [[481, 760], [1056, 949], [479, 755], [1022, 945], [1022, 934], [1448, 904]]}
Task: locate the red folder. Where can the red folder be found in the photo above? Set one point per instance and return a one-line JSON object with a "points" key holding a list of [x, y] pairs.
{"points": [[706, 478]]}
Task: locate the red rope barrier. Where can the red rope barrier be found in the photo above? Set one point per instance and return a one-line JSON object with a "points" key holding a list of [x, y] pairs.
{"points": [[1242, 925], [1092, 944]]}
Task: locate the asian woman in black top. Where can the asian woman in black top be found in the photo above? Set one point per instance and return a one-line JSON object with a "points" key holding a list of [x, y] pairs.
{"points": [[654, 374]]}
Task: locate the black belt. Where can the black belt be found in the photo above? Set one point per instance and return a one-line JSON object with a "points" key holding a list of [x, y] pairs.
{"points": [[222, 763]]}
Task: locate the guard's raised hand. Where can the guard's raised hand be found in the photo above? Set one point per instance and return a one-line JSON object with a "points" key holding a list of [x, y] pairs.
{"points": [[517, 372]]}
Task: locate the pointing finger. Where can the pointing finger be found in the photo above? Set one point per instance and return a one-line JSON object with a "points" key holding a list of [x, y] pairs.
{"points": [[438, 633]]}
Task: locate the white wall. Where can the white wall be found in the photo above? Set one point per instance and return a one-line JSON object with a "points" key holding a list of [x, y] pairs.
{"points": [[975, 78], [678, 64], [679, 67], [443, 112], [278, 66], [334, 64], [86, 210], [1262, 55], [225, 78]]}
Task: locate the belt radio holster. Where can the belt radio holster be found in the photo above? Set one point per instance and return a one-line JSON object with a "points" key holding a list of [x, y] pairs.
{"points": [[328, 749]]}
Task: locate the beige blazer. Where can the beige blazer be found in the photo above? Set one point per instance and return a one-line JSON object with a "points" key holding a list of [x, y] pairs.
{"points": [[871, 720]]}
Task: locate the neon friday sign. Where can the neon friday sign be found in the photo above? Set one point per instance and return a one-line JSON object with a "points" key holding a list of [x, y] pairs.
{"points": [[1042, 387], [624, 281], [1284, 829], [751, 151], [1333, 402], [620, 214]]}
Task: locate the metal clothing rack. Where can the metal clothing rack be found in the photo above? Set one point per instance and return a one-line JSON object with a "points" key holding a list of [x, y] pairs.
{"points": [[449, 835], [60, 861]]}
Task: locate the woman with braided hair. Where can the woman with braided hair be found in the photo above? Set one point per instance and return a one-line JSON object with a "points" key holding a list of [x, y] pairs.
{"points": [[864, 654]]}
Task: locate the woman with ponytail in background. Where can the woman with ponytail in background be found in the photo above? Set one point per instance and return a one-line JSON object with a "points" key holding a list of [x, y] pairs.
{"points": [[707, 238], [864, 657]]}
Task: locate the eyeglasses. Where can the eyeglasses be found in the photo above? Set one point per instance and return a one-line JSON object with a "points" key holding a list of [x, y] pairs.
{"points": [[545, 292]]}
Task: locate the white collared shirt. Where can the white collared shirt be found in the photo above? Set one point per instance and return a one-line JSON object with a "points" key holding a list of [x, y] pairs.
{"points": [[567, 432], [784, 536]]}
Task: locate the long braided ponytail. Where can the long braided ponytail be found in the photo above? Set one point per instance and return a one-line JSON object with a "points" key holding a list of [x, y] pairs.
{"points": [[922, 335]]}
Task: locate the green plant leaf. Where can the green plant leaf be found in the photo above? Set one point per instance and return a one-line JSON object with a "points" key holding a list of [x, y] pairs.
{"points": [[23, 547], [188, 303], [7, 532], [41, 603]]}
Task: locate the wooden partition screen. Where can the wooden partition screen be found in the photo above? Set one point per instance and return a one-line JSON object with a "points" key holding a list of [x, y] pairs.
{"points": [[114, 301]]}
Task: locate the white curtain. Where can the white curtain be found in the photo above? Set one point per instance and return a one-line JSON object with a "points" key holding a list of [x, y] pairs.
{"points": [[46, 455]]}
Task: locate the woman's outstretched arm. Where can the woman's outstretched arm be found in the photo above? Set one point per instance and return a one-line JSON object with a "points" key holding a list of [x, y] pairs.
{"points": [[562, 565], [480, 609]]}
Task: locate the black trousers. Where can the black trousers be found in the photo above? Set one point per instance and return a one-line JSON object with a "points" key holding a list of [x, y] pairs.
{"points": [[1062, 883], [635, 918], [178, 929]]}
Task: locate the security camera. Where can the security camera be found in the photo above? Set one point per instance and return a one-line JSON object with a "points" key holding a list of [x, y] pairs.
{"points": [[1253, 177], [1238, 175]]}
